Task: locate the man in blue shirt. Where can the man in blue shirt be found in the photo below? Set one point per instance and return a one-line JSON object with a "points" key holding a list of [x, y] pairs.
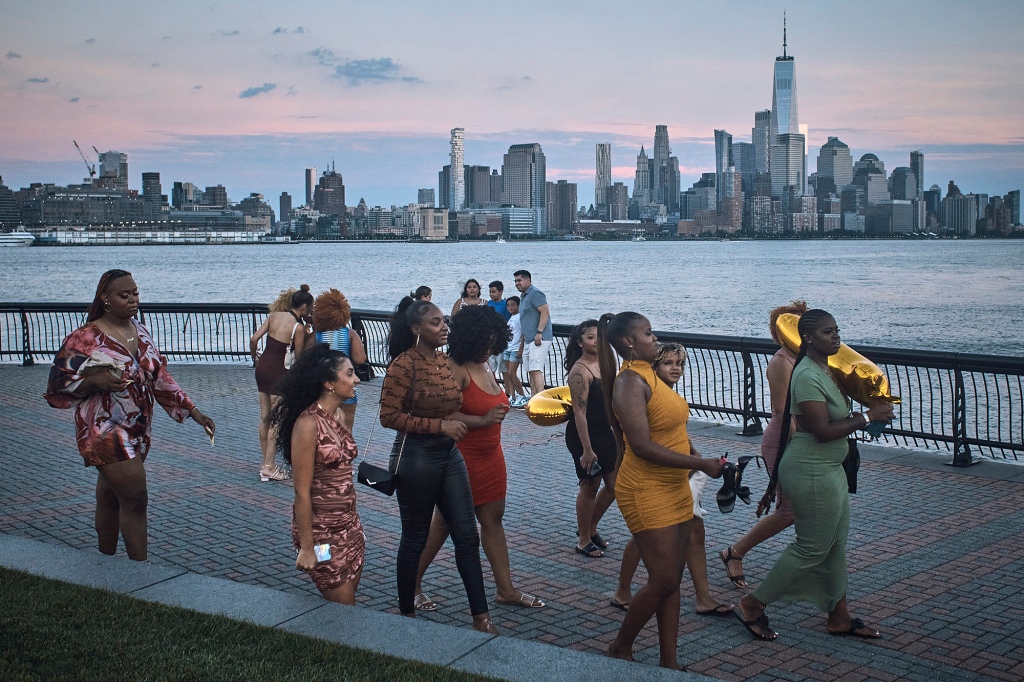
{"points": [[535, 319]]}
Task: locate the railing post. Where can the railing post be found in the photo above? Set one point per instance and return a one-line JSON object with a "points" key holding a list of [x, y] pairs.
{"points": [[26, 341], [961, 451], [751, 422], [253, 333]]}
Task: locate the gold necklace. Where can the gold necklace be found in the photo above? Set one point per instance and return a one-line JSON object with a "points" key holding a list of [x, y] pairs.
{"points": [[127, 339]]}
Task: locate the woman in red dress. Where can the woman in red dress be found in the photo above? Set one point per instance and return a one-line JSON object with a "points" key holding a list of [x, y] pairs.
{"points": [[110, 371], [477, 333]]}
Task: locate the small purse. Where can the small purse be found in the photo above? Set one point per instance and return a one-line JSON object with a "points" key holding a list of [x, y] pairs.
{"points": [[851, 465], [380, 479], [289, 355]]}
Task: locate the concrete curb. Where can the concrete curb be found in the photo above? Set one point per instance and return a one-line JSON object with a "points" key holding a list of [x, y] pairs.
{"points": [[420, 640]]}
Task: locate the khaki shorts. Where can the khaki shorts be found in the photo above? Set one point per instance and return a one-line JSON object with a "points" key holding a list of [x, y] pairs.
{"points": [[535, 357]]}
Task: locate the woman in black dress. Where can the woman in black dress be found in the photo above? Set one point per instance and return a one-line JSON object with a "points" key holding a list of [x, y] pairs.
{"points": [[588, 435]]}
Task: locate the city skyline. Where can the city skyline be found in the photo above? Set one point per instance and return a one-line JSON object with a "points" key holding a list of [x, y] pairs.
{"points": [[241, 94]]}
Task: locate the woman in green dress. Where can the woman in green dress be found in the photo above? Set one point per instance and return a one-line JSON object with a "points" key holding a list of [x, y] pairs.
{"points": [[813, 567]]}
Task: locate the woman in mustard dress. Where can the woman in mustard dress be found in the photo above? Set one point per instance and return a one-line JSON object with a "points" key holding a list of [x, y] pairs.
{"points": [[813, 567], [652, 488]]}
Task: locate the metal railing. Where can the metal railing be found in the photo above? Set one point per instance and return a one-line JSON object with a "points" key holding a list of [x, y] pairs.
{"points": [[963, 403]]}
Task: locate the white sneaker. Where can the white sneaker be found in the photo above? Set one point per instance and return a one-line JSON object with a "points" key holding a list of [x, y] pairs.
{"points": [[519, 401]]}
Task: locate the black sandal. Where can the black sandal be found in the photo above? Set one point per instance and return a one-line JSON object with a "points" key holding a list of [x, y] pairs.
{"points": [[726, 556], [590, 550]]}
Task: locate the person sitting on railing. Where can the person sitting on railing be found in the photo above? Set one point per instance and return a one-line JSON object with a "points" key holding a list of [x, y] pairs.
{"points": [[478, 333], [652, 490], [331, 315], [111, 372], [419, 399], [813, 567], [778, 373], [325, 524], [283, 330]]}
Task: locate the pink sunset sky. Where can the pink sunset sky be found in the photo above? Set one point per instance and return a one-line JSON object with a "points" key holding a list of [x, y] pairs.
{"points": [[248, 94]]}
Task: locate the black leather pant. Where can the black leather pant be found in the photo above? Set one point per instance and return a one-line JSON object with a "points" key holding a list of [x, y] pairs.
{"points": [[432, 472]]}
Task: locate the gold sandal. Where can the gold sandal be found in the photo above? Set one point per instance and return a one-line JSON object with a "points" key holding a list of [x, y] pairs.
{"points": [[276, 474]]}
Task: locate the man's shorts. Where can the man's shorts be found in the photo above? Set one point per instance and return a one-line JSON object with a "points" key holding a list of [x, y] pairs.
{"points": [[497, 364], [535, 357]]}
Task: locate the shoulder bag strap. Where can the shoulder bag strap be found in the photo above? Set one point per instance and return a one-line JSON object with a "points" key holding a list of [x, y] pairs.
{"points": [[293, 335]]}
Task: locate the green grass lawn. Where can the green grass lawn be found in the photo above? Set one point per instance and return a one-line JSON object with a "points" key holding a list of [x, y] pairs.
{"points": [[51, 630]]}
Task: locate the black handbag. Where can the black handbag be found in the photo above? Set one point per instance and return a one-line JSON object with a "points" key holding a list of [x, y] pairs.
{"points": [[364, 371], [380, 479], [851, 464]]}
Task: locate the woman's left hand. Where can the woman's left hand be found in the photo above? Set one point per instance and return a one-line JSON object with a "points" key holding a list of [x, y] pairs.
{"points": [[712, 466], [204, 421], [306, 560]]}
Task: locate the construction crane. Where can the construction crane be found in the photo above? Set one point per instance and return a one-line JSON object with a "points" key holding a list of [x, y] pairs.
{"points": [[91, 167]]}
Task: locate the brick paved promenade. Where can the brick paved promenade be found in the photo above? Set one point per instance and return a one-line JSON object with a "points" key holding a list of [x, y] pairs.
{"points": [[936, 554]]}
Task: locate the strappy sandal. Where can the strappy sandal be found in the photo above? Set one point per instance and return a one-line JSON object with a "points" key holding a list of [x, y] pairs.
{"points": [[424, 603], [726, 556], [527, 600], [277, 474]]}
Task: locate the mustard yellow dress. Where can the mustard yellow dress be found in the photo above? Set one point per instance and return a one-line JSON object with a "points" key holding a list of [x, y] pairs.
{"points": [[650, 495]]}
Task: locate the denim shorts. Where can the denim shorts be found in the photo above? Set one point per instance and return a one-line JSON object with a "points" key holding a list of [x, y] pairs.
{"points": [[511, 356]]}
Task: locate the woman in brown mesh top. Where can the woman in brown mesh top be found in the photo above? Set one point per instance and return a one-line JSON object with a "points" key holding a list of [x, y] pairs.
{"points": [[420, 399]]}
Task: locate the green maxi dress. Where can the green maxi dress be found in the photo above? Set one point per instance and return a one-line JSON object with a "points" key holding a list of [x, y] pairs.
{"points": [[813, 568]]}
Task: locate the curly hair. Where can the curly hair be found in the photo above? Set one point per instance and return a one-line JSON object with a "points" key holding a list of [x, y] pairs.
{"points": [[670, 348], [331, 311], [283, 302], [574, 346], [797, 308], [106, 279], [302, 386], [477, 332]]}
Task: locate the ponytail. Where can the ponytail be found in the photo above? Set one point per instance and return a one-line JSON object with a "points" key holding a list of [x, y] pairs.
{"points": [[407, 313], [606, 362]]}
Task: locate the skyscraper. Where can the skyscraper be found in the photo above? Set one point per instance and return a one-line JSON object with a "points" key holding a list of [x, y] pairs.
{"points": [[425, 196], [787, 164], [603, 175], [524, 176], [760, 137], [310, 185], [329, 196], [642, 179], [285, 207], [662, 151], [917, 165], [478, 186], [834, 161], [151, 190], [561, 206], [723, 160], [114, 170], [785, 119], [457, 183]]}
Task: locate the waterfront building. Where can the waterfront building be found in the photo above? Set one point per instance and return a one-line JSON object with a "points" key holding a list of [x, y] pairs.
{"points": [[762, 216], [425, 196], [284, 205], [255, 207], [617, 196], [788, 164], [524, 172], [310, 185], [903, 184], [730, 212], [457, 186], [433, 223], [834, 161], [113, 171], [743, 161], [723, 160], [761, 139], [917, 166], [497, 188], [520, 221], [959, 212], [892, 216], [329, 197], [603, 173], [785, 120], [853, 199], [662, 150], [874, 183], [151, 189], [1012, 200], [561, 207], [215, 197], [854, 222], [184, 194], [642, 179], [444, 185], [84, 205], [477, 181], [10, 214]]}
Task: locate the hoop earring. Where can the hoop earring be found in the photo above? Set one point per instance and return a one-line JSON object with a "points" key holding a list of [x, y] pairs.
{"points": [[106, 307], [631, 354]]}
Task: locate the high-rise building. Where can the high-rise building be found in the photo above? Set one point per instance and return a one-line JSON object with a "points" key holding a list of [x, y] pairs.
{"points": [[787, 164], [151, 190], [524, 176], [285, 207], [10, 216], [723, 160], [561, 206], [662, 151], [497, 187], [329, 196], [903, 184], [457, 186], [834, 161], [310, 185], [760, 136], [642, 179], [478, 186], [444, 185], [618, 201], [959, 213], [785, 120], [184, 194], [603, 174], [1012, 200], [425, 196], [917, 165], [114, 170], [215, 196]]}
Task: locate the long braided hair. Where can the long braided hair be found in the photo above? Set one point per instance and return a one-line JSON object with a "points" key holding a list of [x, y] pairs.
{"points": [[809, 321], [106, 279], [611, 332]]}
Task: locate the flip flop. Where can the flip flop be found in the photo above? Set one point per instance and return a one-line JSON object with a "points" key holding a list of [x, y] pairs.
{"points": [[855, 625], [599, 541], [619, 605], [424, 603], [590, 550], [720, 610], [761, 621], [527, 600]]}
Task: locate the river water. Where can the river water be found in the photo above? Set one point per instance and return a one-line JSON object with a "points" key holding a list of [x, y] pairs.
{"points": [[965, 296]]}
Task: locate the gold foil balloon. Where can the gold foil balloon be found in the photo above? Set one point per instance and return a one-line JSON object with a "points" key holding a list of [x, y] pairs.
{"points": [[860, 378], [550, 407]]}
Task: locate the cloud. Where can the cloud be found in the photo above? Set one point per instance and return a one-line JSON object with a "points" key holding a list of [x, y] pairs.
{"points": [[90, 41], [257, 90], [13, 55], [279, 30], [300, 29], [236, 32], [38, 80], [358, 71], [73, 99], [323, 56], [197, 87]]}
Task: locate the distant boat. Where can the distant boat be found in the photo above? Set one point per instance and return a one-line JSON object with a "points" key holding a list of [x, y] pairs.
{"points": [[499, 240], [17, 238], [638, 238]]}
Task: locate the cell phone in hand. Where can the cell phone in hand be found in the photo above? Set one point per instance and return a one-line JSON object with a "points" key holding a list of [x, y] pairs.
{"points": [[595, 468]]}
